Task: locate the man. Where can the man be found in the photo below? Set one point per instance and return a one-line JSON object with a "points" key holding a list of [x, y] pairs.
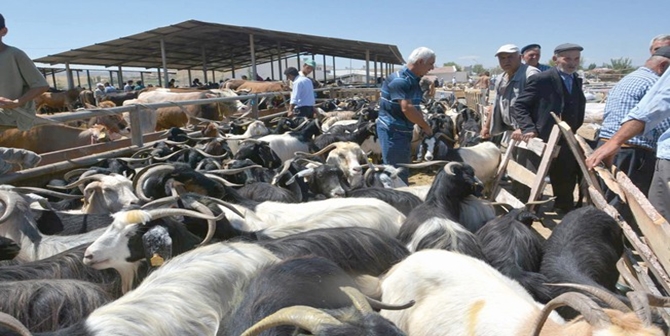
{"points": [[557, 90], [129, 86], [483, 84], [531, 56], [645, 118], [20, 83], [138, 86], [509, 86], [399, 109], [659, 41], [99, 93], [453, 81], [171, 83], [637, 156], [109, 88], [302, 95]]}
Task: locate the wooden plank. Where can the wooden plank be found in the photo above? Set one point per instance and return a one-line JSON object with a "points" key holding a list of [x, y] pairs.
{"points": [[505, 197], [501, 168], [589, 176], [643, 250], [535, 145], [638, 279], [538, 185], [655, 228], [605, 175], [520, 173]]}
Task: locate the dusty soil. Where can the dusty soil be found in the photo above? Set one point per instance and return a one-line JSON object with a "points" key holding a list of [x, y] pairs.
{"points": [[419, 177]]}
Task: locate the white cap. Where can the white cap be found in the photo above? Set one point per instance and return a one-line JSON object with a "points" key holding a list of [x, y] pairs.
{"points": [[99, 84], [508, 49]]}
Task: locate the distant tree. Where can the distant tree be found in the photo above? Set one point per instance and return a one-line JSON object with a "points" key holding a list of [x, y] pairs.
{"points": [[478, 68], [592, 66], [495, 70], [458, 67], [623, 64]]}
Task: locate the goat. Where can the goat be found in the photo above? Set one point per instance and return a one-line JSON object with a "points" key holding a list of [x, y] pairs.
{"points": [[259, 152], [449, 198], [296, 141], [468, 126], [151, 181], [515, 249], [323, 179], [253, 130], [105, 194], [49, 305], [383, 176], [359, 135], [584, 249], [8, 249], [192, 294], [306, 289], [459, 295], [348, 157], [445, 234], [403, 201]]}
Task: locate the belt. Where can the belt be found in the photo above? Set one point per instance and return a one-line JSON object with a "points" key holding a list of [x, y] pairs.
{"points": [[625, 145]]}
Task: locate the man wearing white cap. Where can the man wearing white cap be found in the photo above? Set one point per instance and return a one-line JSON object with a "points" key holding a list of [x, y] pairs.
{"points": [[302, 96], [99, 93], [508, 87]]}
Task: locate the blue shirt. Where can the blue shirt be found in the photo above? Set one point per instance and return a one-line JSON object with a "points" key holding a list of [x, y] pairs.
{"points": [[654, 111], [622, 98], [567, 80], [303, 92], [543, 67], [400, 85]]}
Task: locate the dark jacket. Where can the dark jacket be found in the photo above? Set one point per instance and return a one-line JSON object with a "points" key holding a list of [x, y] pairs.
{"points": [[544, 93]]}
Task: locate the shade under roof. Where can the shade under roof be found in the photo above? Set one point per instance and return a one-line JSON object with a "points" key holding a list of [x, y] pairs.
{"points": [[224, 46]]}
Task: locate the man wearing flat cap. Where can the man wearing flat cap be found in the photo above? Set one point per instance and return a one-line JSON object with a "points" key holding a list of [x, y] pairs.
{"points": [[20, 83], [302, 95], [531, 56], [637, 156], [557, 90]]}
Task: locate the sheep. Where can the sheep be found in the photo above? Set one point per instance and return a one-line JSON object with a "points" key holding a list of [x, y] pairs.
{"points": [[49, 305], [460, 295], [8, 249], [296, 141], [306, 289], [191, 294], [583, 249], [449, 198], [403, 201], [515, 249]]}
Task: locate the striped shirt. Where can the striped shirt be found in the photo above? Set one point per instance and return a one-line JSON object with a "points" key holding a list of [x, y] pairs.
{"points": [[622, 98], [400, 85], [654, 110]]}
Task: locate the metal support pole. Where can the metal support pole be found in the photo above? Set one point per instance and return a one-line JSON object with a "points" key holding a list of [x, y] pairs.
{"points": [[142, 78], [325, 74], [88, 77], [297, 56], [281, 73], [111, 77], [254, 74], [190, 80], [78, 79], [160, 81], [68, 72], [136, 127], [232, 64], [120, 75], [204, 65], [376, 76], [213, 76], [164, 59], [367, 67], [53, 79], [334, 74], [272, 67]]}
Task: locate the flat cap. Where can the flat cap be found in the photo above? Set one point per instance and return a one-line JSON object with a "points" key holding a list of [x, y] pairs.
{"points": [[530, 46], [663, 51], [507, 49], [567, 46]]}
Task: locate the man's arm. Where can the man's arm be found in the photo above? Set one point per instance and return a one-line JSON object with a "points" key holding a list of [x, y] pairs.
{"points": [[7, 103], [415, 116], [607, 151], [523, 106]]}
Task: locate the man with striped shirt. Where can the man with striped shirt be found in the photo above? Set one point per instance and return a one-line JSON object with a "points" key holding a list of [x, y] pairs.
{"points": [[637, 156], [399, 109]]}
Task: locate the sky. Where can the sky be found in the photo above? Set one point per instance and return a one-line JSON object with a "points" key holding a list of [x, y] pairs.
{"points": [[465, 32]]}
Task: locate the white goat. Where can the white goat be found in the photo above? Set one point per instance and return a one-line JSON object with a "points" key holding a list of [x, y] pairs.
{"points": [[459, 295], [255, 130], [285, 145]]}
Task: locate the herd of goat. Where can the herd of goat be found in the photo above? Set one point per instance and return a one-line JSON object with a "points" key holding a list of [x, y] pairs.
{"points": [[247, 229]]}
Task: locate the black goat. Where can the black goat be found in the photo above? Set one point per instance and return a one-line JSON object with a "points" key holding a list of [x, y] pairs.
{"points": [[403, 201], [62, 223], [258, 152], [515, 249], [8, 249], [315, 285], [151, 181], [263, 191], [359, 135], [583, 249], [49, 305], [468, 127]]}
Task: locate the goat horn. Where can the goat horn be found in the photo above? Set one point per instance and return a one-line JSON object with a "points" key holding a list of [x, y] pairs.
{"points": [[175, 143], [592, 313], [367, 174], [141, 151], [301, 125], [641, 306], [222, 181], [304, 317], [446, 137], [601, 294], [232, 171], [13, 324], [211, 224], [163, 212], [360, 301], [225, 204], [302, 173], [207, 155], [80, 181], [284, 169], [252, 140], [541, 201], [67, 176], [160, 201], [144, 174], [165, 158], [134, 159], [324, 150], [378, 305], [25, 190], [449, 168], [422, 164], [10, 200]]}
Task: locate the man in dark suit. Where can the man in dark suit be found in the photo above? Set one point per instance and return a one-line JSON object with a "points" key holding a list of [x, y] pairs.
{"points": [[557, 90]]}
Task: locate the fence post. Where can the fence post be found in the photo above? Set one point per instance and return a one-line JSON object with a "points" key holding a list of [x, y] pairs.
{"points": [[254, 105], [136, 127]]}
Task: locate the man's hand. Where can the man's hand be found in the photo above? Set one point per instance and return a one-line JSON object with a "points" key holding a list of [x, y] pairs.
{"points": [[485, 134], [427, 131], [604, 153], [8, 103], [518, 136]]}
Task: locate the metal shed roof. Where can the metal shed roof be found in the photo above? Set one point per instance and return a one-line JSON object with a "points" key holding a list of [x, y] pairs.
{"points": [[223, 47]]}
